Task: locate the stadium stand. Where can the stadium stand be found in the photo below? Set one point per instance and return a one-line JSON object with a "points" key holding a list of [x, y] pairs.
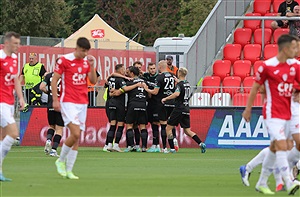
{"points": [[232, 52], [242, 68], [256, 65], [221, 99], [211, 84], [270, 51], [278, 32], [242, 36], [268, 22], [200, 99], [252, 52], [221, 68], [262, 6], [258, 36], [232, 85], [240, 99], [248, 83], [252, 24]]}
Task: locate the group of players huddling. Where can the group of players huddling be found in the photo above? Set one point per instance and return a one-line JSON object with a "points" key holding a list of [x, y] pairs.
{"points": [[136, 98]]}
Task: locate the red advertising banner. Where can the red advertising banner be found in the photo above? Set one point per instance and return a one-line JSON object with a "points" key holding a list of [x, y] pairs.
{"points": [[34, 128], [105, 59]]}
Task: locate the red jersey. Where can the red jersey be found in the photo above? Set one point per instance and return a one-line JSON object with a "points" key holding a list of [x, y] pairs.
{"points": [[278, 79], [74, 73], [8, 73]]}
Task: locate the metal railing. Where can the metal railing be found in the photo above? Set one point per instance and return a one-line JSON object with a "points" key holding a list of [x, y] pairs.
{"points": [[263, 19], [210, 37]]}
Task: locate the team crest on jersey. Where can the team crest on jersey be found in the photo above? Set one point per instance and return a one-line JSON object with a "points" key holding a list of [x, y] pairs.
{"points": [[79, 69], [85, 65], [292, 71], [284, 77]]}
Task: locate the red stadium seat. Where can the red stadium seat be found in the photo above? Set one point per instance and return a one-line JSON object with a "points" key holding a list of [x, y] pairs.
{"points": [[262, 6], [258, 36], [278, 32], [211, 84], [258, 100], [252, 52], [231, 85], [240, 99], [276, 4], [248, 83], [270, 50], [221, 68], [242, 68], [252, 24], [268, 22], [242, 36], [256, 65], [232, 52]]}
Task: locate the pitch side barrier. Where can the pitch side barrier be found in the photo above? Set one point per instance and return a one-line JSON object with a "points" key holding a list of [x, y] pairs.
{"points": [[219, 127]]}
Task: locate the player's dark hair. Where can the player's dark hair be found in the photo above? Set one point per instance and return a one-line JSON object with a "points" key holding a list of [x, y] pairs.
{"points": [[84, 43], [137, 62], [134, 70], [284, 40], [151, 64], [10, 34], [118, 66]]}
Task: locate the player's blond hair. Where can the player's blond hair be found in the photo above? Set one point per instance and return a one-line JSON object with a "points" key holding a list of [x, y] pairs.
{"points": [[182, 72]]}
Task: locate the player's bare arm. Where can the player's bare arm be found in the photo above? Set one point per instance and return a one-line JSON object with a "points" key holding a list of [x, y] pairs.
{"points": [[18, 90], [55, 78], [92, 74], [172, 96], [247, 112], [43, 87]]}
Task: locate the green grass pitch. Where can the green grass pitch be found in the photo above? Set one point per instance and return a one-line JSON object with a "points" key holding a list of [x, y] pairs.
{"points": [[186, 173]]}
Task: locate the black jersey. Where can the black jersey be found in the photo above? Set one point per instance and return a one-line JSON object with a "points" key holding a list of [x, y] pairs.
{"points": [[150, 80], [166, 84], [138, 96], [116, 83], [182, 101], [48, 80]]}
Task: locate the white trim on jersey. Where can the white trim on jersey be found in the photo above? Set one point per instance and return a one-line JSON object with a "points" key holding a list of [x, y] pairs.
{"points": [[269, 100], [3, 55], [63, 86]]}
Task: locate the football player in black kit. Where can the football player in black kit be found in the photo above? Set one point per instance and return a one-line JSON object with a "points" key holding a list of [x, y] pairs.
{"points": [[181, 112], [165, 86], [152, 109], [136, 108], [55, 120], [116, 110]]}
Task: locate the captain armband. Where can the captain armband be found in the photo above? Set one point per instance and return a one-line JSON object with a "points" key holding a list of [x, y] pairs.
{"points": [[122, 90]]}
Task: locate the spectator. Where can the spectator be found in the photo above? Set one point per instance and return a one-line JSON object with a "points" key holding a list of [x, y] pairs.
{"points": [[295, 25], [285, 7], [32, 74], [171, 68], [92, 91]]}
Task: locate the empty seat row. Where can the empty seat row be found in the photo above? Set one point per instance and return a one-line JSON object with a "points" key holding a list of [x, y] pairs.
{"points": [[231, 85], [243, 36], [251, 52], [223, 99]]}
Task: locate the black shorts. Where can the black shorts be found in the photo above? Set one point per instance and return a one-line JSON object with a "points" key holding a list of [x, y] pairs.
{"points": [[164, 112], [152, 112], [117, 113], [280, 24], [54, 117], [136, 115], [179, 117]]}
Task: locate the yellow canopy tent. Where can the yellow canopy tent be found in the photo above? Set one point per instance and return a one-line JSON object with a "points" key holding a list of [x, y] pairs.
{"points": [[101, 34]]}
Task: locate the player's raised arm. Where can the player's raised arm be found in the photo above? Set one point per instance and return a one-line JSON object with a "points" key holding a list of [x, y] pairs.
{"points": [[92, 74]]}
